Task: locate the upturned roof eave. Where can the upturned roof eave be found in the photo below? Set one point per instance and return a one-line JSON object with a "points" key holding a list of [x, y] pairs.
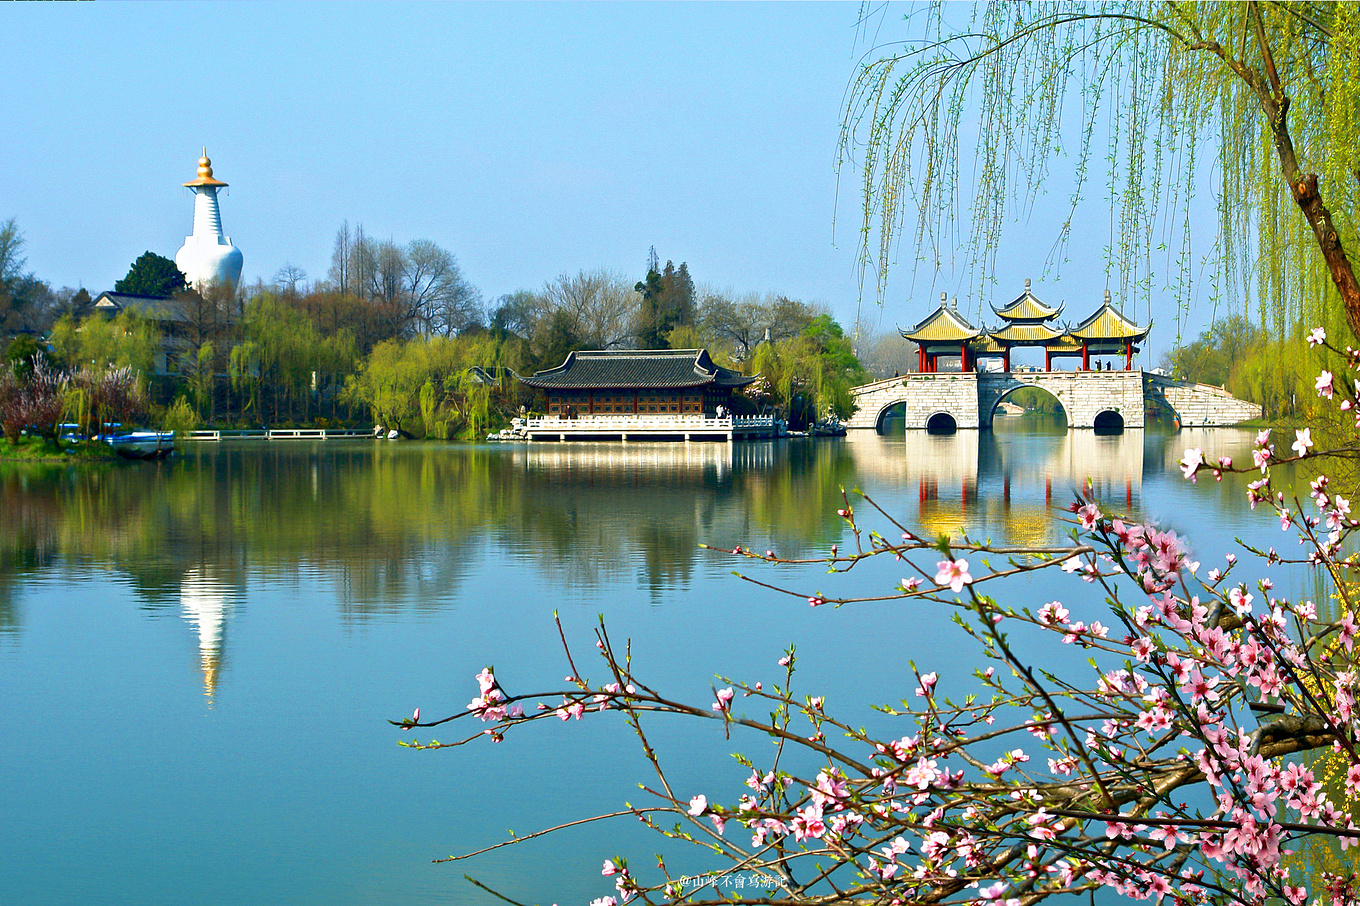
{"points": [[1124, 329], [963, 331], [702, 372]]}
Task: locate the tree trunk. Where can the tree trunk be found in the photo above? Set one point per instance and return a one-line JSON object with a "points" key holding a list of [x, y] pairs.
{"points": [[1304, 188]]}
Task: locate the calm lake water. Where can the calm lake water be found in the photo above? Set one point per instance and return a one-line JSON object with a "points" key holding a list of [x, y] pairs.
{"points": [[198, 657]]}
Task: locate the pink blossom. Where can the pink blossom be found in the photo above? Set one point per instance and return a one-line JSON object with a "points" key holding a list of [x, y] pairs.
{"points": [[724, 702], [1240, 599], [1053, 613], [1143, 649], [1089, 515], [609, 868], [927, 684], [1194, 458], [808, 824], [1317, 337], [1303, 439], [1168, 834], [698, 805], [953, 573], [1348, 629], [1115, 830], [1323, 385]]}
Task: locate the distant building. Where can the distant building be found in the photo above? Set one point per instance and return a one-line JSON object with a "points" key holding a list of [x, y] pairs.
{"points": [[665, 382], [164, 313], [208, 257]]}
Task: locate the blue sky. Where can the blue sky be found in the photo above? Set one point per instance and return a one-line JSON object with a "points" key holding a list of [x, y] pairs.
{"points": [[530, 140]]}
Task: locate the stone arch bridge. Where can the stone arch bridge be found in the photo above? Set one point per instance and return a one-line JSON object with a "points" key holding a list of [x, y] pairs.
{"points": [[1111, 400]]}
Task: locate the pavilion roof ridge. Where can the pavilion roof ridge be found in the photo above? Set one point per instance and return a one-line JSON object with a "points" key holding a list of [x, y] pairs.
{"points": [[1028, 307]]}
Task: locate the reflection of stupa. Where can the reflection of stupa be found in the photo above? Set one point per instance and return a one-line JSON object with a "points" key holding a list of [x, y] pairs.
{"points": [[208, 257], [204, 602]]}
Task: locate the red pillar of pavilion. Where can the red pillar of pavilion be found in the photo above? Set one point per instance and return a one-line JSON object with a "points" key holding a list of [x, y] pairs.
{"points": [[1085, 357], [1128, 355]]}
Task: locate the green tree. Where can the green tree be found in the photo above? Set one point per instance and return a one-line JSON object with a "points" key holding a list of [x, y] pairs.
{"points": [[1211, 358], [556, 338], [285, 360], [1271, 88], [24, 354], [650, 330], [667, 303], [152, 275], [809, 376], [104, 344], [431, 386]]}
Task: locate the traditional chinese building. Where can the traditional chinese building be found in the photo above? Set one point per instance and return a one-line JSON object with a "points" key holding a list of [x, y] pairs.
{"points": [[1108, 332], [637, 382], [672, 394], [943, 334], [1028, 321], [165, 314], [1027, 324]]}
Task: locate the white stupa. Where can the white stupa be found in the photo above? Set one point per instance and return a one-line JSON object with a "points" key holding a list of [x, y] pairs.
{"points": [[208, 257]]}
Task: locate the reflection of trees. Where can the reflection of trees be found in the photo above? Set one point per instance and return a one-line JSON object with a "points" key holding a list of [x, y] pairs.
{"points": [[399, 527]]}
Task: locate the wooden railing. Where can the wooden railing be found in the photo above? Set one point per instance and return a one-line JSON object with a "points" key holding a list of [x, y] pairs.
{"points": [[277, 434]]}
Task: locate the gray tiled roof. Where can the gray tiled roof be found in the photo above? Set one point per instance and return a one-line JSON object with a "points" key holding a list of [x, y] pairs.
{"points": [[637, 368], [155, 308]]}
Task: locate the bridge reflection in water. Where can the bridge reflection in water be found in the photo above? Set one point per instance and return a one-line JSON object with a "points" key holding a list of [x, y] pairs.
{"points": [[1006, 484]]}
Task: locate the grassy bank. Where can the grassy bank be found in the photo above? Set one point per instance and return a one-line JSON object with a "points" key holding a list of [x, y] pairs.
{"points": [[39, 449]]}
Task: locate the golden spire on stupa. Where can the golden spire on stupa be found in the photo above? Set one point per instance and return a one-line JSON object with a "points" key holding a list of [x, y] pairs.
{"points": [[205, 177]]}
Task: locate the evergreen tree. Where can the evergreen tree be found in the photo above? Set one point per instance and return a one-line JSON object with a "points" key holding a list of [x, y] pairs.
{"points": [[667, 303], [649, 331], [152, 275]]}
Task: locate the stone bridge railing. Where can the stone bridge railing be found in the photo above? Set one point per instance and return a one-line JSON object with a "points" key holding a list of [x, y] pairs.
{"points": [[1201, 405]]}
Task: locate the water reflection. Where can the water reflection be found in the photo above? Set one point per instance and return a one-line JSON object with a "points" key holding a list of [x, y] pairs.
{"points": [[205, 602], [396, 528]]}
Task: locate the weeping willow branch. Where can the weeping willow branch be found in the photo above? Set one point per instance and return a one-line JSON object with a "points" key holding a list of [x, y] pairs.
{"points": [[981, 114]]}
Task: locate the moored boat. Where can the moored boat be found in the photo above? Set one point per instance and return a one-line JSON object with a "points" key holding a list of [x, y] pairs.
{"points": [[143, 444]]}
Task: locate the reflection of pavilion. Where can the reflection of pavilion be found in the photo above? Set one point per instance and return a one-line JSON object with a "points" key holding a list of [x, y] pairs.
{"points": [[205, 602], [969, 479]]}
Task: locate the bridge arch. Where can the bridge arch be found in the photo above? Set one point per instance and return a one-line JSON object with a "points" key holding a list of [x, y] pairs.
{"points": [[1108, 421], [1037, 388], [893, 410], [1159, 407], [942, 422]]}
